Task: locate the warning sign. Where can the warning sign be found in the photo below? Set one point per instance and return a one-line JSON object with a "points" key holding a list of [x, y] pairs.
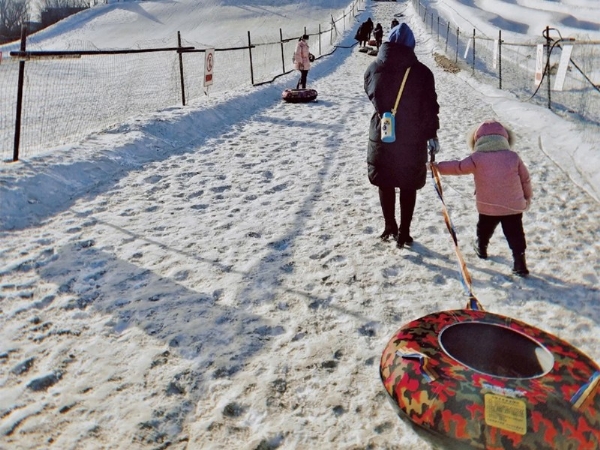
{"points": [[209, 64], [539, 62], [506, 413]]}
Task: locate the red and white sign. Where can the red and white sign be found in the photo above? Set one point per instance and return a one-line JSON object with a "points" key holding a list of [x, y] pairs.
{"points": [[209, 64], [539, 63]]}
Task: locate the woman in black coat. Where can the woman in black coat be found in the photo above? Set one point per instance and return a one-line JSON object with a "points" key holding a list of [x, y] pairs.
{"points": [[403, 163]]}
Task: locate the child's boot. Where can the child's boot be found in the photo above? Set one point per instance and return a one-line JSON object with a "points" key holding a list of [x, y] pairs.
{"points": [[520, 266], [481, 249]]}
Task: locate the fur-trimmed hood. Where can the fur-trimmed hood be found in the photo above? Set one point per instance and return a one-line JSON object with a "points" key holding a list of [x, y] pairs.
{"points": [[490, 136]]}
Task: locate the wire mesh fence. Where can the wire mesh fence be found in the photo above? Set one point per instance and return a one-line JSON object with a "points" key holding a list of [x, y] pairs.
{"points": [[561, 74], [69, 94]]}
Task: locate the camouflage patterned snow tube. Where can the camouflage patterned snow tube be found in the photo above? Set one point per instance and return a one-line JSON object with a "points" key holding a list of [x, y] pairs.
{"points": [[299, 95], [469, 377]]}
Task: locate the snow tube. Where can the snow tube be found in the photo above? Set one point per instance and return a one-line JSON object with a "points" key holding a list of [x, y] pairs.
{"points": [[299, 95], [372, 42], [473, 378], [364, 49]]}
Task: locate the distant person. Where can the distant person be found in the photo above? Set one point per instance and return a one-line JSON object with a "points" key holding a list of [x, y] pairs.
{"points": [[395, 23], [302, 59], [400, 164], [378, 35], [361, 35], [502, 188], [368, 28]]}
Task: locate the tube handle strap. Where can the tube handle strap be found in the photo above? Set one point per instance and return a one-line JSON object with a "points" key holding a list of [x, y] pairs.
{"points": [[428, 373], [586, 390]]}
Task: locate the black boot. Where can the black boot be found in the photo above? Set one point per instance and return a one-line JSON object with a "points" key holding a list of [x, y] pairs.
{"points": [[404, 239], [481, 249], [390, 231], [520, 266], [387, 199], [408, 200]]}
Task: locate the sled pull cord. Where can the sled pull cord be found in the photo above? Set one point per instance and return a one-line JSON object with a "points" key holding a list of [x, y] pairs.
{"points": [[465, 276], [400, 92]]}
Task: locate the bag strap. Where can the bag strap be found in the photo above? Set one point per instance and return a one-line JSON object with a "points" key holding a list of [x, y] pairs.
{"points": [[400, 92]]}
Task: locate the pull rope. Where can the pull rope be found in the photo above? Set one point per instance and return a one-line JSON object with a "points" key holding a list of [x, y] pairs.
{"points": [[465, 276]]}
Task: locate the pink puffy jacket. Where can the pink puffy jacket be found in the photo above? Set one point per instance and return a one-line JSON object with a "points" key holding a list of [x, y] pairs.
{"points": [[301, 56], [502, 182]]}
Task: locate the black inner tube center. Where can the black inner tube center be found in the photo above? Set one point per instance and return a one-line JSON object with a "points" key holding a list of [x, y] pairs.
{"points": [[496, 350]]}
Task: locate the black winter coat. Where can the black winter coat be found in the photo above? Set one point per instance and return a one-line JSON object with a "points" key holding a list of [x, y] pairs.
{"points": [[402, 163]]}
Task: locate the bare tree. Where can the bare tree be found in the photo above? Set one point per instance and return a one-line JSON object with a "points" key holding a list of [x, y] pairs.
{"points": [[13, 14], [51, 4]]}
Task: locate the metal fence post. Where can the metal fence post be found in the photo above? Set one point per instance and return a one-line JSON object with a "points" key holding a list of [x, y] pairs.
{"points": [[181, 77], [457, 34], [473, 50], [20, 95], [251, 67], [548, 51], [320, 40], [282, 55], [500, 59]]}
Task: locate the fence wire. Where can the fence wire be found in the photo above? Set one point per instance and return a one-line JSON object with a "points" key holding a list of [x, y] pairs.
{"points": [[67, 98], [512, 65]]}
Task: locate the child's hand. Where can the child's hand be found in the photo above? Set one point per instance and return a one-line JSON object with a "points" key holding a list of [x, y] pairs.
{"points": [[527, 204]]}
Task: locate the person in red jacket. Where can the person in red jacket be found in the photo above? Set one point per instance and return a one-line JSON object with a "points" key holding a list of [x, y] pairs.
{"points": [[502, 188]]}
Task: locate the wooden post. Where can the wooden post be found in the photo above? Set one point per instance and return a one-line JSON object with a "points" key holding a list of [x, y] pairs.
{"points": [[457, 41], [282, 55], [20, 95], [251, 67], [548, 51], [473, 50], [181, 77], [320, 40], [500, 59]]}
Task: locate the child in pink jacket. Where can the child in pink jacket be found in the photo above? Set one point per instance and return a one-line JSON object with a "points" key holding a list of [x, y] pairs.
{"points": [[302, 59], [502, 188]]}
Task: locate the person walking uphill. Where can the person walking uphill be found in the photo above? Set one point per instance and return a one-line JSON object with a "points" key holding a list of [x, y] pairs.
{"points": [[302, 60], [502, 188], [403, 163], [368, 29], [378, 35]]}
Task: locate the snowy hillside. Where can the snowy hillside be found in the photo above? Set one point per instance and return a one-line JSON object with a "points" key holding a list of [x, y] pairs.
{"points": [[211, 277]]}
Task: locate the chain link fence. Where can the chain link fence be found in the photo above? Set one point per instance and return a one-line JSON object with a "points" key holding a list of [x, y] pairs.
{"points": [[50, 99], [532, 70]]}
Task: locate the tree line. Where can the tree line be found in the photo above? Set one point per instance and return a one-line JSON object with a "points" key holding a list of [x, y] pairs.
{"points": [[16, 13]]}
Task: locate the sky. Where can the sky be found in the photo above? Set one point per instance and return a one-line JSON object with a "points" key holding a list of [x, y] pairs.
{"points": [[210, 276]]}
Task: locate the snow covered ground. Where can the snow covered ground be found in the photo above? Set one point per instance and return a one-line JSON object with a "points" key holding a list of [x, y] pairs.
{"points": [[210, 277]]}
